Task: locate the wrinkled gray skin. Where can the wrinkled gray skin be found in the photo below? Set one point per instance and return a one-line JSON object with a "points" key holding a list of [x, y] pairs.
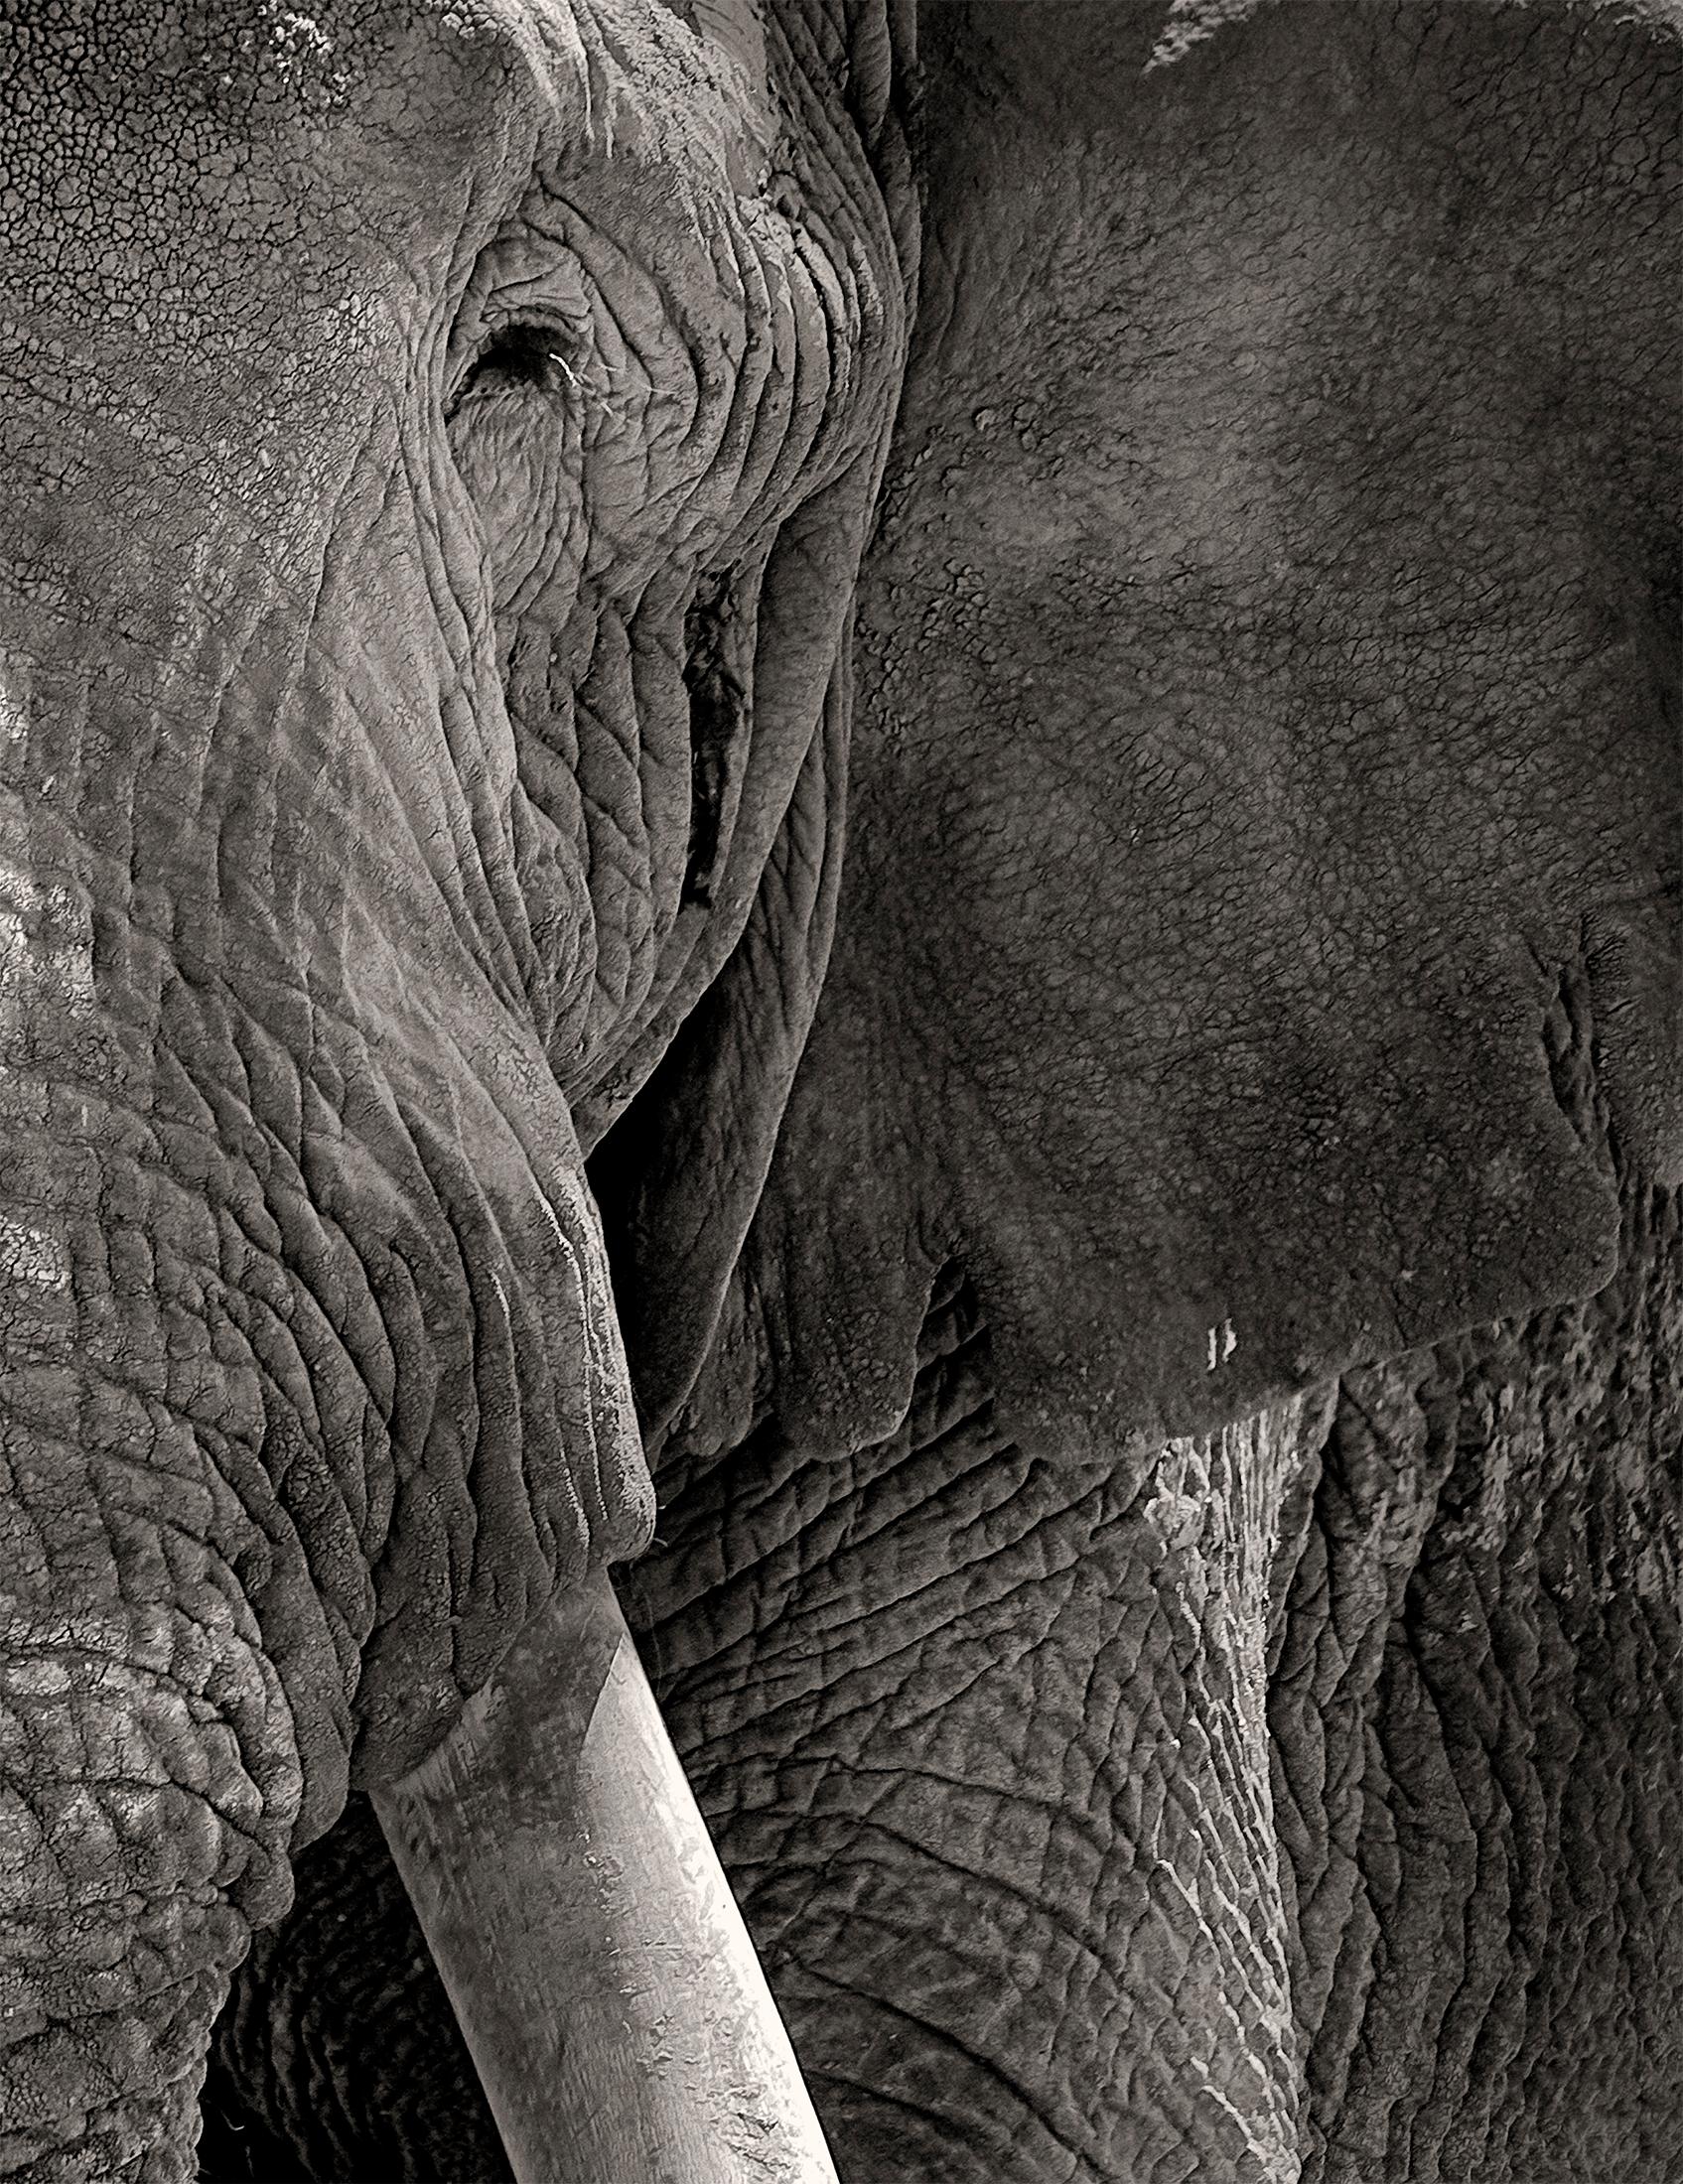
{"points": [[1166, 1432], [438, 441]]}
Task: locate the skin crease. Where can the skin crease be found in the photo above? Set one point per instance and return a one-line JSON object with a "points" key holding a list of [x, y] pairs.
{"points": [[1241, 1029]]}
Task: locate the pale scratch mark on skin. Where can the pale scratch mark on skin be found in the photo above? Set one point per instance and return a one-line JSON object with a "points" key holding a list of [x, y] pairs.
{"points": [[1264, 2132], [1222, 1344], [14, 711], [1190, 22], [299, 43], [1280, 2164], [46, 947], [288, 27], [27, 1255]]}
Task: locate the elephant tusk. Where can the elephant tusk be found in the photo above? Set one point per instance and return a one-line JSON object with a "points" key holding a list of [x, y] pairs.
{"points": [[597, 1960]]}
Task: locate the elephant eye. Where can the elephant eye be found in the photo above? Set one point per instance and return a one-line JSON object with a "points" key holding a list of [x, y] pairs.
{"points": [[520, 354]]}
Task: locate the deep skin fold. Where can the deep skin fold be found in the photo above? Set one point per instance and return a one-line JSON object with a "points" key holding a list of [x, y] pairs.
{"points": [[957, 1666]]}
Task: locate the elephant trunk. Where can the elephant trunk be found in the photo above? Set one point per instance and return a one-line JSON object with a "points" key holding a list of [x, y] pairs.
{"points": [[296, 1317], [173, 1691]]}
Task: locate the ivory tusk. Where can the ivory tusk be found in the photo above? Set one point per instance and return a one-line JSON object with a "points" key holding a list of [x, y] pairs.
{"points": [[589, 1940]]}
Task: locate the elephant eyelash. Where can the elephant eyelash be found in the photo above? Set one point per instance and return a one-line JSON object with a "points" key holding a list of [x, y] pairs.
{"points": [[521, 353]]}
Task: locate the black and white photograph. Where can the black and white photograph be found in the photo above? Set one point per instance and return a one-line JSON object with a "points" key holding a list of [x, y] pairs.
{"points": [[841, 1092]]}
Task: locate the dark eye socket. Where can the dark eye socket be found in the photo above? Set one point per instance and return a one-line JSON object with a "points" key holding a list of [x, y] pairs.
{"points": [[523, 352], [517, 354]]}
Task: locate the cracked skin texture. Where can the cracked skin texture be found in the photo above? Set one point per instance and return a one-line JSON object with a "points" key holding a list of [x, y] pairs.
{"points": [[1263, 797], [373, 443]]}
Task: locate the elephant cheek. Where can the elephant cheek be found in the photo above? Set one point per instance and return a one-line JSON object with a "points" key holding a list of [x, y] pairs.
{"points": [[516, 1458]]}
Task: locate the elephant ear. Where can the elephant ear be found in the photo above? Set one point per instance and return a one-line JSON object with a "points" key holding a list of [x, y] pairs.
{"points": [[1260, 911]]}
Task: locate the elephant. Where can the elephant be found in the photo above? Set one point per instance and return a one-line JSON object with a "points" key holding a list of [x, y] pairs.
{"points": [[877, 808]]}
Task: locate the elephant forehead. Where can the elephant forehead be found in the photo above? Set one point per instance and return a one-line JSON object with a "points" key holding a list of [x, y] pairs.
{"points": [[247, 239], [182, 176], [153, 115]]}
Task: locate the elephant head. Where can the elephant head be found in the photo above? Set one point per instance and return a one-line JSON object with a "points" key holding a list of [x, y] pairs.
{"points": [[439, 440]]}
